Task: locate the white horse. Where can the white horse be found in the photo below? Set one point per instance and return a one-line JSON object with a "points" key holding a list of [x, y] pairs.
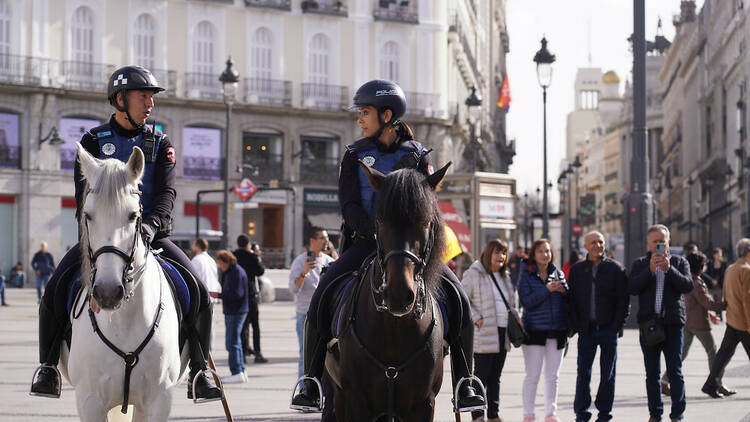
{"points": [[137, 310]]}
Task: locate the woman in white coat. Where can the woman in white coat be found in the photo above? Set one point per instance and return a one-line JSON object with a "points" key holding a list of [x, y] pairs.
{"points": [[490, 315]]}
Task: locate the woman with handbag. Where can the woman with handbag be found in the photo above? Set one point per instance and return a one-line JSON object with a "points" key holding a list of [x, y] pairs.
{"points": [[492, 302], [541, 291]]}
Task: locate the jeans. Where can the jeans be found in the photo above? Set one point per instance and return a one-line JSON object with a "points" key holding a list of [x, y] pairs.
{"points": [[301, 341], [732, 337], [2, 289], [606, 339], [233, 325], [706, 339], [488, 367], [41, 282], [672, 349]]}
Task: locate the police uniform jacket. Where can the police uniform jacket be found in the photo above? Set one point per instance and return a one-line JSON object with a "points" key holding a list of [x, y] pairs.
{"points": [[111, 140]]}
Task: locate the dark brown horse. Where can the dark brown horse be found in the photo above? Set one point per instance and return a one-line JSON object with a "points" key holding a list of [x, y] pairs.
{"points": [[388, 361]]}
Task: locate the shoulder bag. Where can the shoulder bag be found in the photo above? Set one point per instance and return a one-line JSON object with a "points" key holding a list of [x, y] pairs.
{"points": [[516, 332]]}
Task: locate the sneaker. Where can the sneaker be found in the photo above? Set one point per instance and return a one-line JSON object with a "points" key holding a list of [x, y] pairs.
{"points": [[529, 418], [238, 378], [260, 359], [479, 419], [551, 418], [5, 304], [726, 391]]}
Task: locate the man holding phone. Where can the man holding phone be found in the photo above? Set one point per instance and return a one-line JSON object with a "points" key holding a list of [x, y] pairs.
{"points": [[303, 280], [659, 280]]}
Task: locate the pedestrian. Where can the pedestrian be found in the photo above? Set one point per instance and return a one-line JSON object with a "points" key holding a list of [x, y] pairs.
{"points": [[541, 291], [698, 303], [488, 286], [388, 145], [207, 271], [659, 279], [2, 289], [234, 297], [304, 276], [574, 257], [17, 276], [600, 304], [737, 295], [44, 265], [249, 258], [130, 90], [717, 266], [515, 266]]}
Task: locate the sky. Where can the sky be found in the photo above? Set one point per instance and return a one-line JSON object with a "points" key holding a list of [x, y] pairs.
{"points": [[574, 29]]}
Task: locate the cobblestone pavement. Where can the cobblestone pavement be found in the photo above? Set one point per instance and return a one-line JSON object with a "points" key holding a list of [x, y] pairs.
{"points": [[266, 396]]}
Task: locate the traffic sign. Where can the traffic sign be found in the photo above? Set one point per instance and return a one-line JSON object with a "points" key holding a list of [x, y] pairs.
{"points": [[577, 229], [245, 189]]}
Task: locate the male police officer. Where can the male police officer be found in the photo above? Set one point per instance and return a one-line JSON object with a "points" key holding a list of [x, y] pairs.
{"points": [[130, 91]]}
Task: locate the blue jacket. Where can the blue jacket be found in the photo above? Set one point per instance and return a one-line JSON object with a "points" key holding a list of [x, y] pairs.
{"points": [[234, 291], [43, 262], [542, 309]]}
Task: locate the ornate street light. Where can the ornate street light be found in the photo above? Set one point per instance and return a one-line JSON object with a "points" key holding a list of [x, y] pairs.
{"points": [[474, 107], [544, 59], [229, 79]]}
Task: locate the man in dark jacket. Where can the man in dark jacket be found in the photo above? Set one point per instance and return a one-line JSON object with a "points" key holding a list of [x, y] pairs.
{"points": [[249, 259], [599, 307], [43, 265], [659, 280]]}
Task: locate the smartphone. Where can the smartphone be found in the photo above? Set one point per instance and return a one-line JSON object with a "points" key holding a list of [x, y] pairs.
{"points": [[661, 248], [311, 256]]}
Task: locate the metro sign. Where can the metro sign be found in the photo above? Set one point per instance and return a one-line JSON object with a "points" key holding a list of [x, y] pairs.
{"points": [[245, 189]]}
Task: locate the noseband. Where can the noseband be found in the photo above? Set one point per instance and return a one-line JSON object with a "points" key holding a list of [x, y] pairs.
{"points": [[420, 263]]}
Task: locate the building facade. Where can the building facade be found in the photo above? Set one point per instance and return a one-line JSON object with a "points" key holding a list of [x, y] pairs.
{"points": [[299, 62]]}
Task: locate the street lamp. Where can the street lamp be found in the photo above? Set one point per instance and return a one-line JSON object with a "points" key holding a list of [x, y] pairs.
{"points": [[544, 59], [526, 220], [53, 137], [473, 105], [229, 80], [690, 182]]}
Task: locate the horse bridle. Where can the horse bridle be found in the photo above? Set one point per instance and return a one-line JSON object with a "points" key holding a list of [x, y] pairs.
{"points": [[420, 263]]}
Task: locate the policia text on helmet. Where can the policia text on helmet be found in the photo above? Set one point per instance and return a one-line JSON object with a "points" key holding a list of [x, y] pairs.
{"points": [[381, 104], [136, 86]]}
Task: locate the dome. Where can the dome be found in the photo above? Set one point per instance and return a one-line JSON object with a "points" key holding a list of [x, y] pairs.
{"points": [[611, 78]]}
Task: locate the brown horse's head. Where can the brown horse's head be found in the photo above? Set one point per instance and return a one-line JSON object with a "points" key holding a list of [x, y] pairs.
{"points": [[410, 237]]}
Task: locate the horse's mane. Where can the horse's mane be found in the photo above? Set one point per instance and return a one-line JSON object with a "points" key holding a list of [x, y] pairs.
{"points": [[405, 200], [112, 187]]}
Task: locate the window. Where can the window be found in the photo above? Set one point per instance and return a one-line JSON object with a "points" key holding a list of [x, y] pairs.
{"points": [[82, 42], [708, 130], [389, 62], [203, 49], [318, 66], [589, 100], [261, 65], [5, 16], [144, 41], [261, 155]]}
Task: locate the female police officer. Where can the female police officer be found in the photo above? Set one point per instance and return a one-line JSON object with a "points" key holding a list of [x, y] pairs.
{"points": [[130, 90], [388, 144]]}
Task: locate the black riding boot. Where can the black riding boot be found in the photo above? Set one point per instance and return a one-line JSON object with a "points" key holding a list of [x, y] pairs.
{"points": [[47, 382], [462, 360], [199, 340], [314, 353]]}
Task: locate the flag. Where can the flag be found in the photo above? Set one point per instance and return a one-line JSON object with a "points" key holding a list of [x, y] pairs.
{"points": [[504, 100]]}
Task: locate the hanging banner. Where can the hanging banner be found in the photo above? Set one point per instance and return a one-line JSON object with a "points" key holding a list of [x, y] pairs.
{"points": [[10, 150], [71, 131], [201, 150]]}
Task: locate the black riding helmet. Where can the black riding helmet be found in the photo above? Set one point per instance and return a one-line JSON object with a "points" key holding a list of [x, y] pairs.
{"points": [[129, 78], [382, 95]]}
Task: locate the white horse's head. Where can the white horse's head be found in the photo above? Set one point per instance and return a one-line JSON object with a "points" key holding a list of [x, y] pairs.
{"points": [[110, 225]]}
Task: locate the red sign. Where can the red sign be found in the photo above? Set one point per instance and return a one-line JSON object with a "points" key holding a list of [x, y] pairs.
{"points": [[576, 229], [456, 223], [245, 189]]}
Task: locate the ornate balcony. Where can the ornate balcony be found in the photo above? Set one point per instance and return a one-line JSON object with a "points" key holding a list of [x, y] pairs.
{"points": [[427, 105], [322, 171], [25, 70], [86, 76], [268, 92], [325, 7], [403, 11], [271, 4], [203, 86], [324, 97]]}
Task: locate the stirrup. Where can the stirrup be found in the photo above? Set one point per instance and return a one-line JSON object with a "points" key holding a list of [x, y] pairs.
{"points": [[59, 385], [309, 409], [460, 382], [196, 400]]}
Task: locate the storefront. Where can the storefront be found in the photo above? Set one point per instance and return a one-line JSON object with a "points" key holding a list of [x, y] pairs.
{"points": [[321, 209]]}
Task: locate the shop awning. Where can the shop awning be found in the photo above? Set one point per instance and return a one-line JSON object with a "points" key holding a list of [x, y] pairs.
{"points": [[457, 224], [331, 221]]}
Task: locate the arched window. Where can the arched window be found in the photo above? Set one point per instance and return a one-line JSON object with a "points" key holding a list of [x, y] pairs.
{"points": [[261, 65], [5, 16], [389, 61], [318, 65], [144, 41], [203, 49], [82, 42]]}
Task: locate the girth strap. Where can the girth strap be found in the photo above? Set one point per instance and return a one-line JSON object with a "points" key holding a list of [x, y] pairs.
{"points": [[130, 359]]}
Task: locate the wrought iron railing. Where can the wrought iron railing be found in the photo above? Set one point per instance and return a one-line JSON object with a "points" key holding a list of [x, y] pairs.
{"points": [[422, 104], [10, 156], [268, 91], [24, 70], [204, 86], [324, 97], [86, 76], [273, 4], [323, 171], [397, 11], [325, 7], [201, 168], [263, 167], [167, 79]]}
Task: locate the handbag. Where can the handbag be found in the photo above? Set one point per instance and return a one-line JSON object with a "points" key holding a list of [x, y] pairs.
{"points": [[652, 332], [516, 333]]}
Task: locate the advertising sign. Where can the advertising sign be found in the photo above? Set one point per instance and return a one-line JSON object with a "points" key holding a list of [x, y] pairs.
{"points": [[201, 149], [495, 209], [10, 149], [71, 131], [456, 223]]}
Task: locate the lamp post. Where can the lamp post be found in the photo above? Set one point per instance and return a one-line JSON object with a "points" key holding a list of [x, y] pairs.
{"points": [[573, 168], [229, 80], [690, 183], [709, 183], [526, 220], [544, 59], [473, 105], [561, 180]]}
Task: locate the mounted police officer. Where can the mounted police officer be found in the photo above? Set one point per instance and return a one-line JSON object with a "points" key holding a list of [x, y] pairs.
{"points": [[130, 91], [388, 144]]}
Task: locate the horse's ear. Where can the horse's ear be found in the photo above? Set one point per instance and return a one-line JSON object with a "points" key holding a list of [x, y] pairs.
{"points": [[135, 165], [88, 164], [375, 177], [435, 180]]}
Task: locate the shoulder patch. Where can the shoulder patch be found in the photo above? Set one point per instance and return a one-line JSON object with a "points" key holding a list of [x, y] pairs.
{"points": [[109, 149], [369, 160], [103, 134], [171, 154]]}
